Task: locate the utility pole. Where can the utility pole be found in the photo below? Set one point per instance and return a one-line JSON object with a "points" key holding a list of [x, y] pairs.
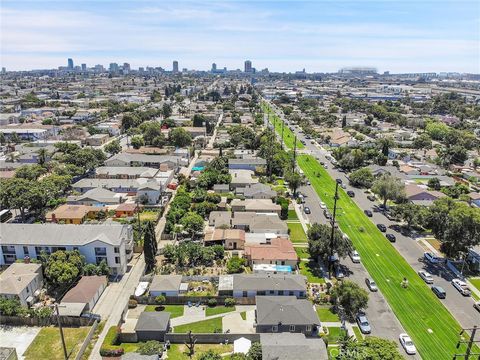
{"points": [[468, 353], [283, 124], [294, 152], [332, 234], [61, 332]]}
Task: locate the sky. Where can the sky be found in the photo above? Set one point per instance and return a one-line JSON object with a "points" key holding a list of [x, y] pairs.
{"points": [[284, 36]]}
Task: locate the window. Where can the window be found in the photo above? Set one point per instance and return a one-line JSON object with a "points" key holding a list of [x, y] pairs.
{"points": [[271, 292], [75, 248], [274, 328], [100, 251], [280, 292], [25, 250], [291, 293], [308, 328], [245, 294], [292, 328], [117, 260], [116, 250]]}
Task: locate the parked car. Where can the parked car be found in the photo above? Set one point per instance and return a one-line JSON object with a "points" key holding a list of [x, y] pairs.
{"points": [[308, 183], [368, 213], [426, 276], [343, 186], [327, 214], [306, 210], [431, 258], [371, 284], [391, 237], [322, 205], [462, 287], [407, 344], [437, 290], [350, 193], [325, 166], [363, 324], [382, 227], [339, 272], [476, 305], [354, 256], [371, 197]]}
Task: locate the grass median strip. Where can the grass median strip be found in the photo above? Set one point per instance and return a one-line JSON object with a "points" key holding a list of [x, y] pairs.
{"points": [[431, 326], [288, 136]]}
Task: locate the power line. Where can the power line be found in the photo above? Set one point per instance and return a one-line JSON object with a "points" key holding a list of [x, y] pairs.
{"points": [[470, 342]]}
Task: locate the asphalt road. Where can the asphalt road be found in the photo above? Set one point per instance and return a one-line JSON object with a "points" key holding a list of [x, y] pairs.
{"points": [[460, 306]]}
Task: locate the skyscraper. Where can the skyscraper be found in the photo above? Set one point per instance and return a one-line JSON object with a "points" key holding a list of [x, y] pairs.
{"points": [[175, 66], [214, 67], [70, 64], [113, 67], [248, 66], [84, 67]]}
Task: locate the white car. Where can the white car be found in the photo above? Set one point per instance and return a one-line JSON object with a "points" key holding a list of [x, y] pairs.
{"points": [[407, 344], [426, 276], [461, 286], [322, 205], [431, 258], [354, 256]]}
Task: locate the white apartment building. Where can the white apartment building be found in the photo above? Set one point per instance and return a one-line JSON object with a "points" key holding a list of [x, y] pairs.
{"points": [[112, 243]]}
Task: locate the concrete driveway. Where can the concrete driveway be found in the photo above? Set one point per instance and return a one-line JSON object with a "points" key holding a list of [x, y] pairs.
{"points": [[237, 325], [19, 337]]}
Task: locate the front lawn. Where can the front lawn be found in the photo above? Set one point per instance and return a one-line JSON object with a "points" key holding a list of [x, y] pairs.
{"points": [[292, 215], [209, 311], [297, 235], [311, 270], [174, 310], [302, 252], [201, 327], [48, 344], [358, 333], [326, 315], [180, 351], [431, 326], [334, 334]]}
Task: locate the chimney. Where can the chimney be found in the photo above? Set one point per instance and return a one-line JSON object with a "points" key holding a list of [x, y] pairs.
{"points": [[54, 218]]}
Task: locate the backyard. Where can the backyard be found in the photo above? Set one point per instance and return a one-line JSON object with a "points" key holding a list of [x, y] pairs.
{"points": [[201, 327], [48, 345], [174, 310], [180, 351], [209, 311], [428, 322]]}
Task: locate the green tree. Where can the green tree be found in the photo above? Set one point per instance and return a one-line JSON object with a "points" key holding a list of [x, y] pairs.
{"points": [[385, 144], [320, 245], [30, 172], [10, 307], [255, 351], [344, 121], [22, 194], [63, 268], [151, 347], [209, 355], [434, 183], [42, 155], [113, 147], [137, 141], [192, 223], [350, 296], [235, 265], [150, 130], [166, 110], [372, 348], [149, 247], [179, 137], [423, 141], [388, 187], [294, 180], [362, 177], [411, 213]]}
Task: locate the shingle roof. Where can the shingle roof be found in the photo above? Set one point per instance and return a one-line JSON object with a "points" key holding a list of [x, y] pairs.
{"points": [[262, 282], [17, 277], [85, 290], [288, 310], [166, 283], [292, 346], [153, 321]]}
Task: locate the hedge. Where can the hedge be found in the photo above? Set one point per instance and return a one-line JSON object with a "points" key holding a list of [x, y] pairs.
{"points": [[109, 346]]}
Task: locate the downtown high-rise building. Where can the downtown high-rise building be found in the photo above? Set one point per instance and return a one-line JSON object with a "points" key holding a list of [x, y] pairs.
{"points": [[248, 66], [84, 67], [175, 66], [70, 64]]}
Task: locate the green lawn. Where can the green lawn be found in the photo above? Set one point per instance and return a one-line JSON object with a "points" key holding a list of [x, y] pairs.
{"points": [[243, 314], [333, 334], [325, 314], [292, 215], [201, 327], [358, 333], [475, 282], [297, 235], [48, 345], [148, 215], [302, 252], [180, 351], [311, 271], [209, 311], [174, 310], [431, 326], [288, 136]]}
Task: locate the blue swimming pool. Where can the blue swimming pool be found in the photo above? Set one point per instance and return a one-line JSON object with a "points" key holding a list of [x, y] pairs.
{"points": [[198, 168], [284, 268]]}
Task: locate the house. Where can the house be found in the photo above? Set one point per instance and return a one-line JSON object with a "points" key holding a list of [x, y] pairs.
{"points": [[87, 291], [97, 139], [473, 258], [278, 251], [152, 325], [21, 281], [220, 219], [255, 205], [251, 164], [73, 214], [125, 172], [96, 197], [163, 162], [421, 195], [264, 223], [221, 188], [166, 285], [231, 239], [256, 191], [474, 198], [110, 242], [127, 209], [292, 346], [242, 178], [339, 138], [252, 285], [277, 314]]}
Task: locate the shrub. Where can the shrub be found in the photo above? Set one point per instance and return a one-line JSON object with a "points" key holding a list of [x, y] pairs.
{"points": [[229, 302], [160, 300], [109, 346], [235, 265], [151, 347], [132, 303], [212, 302]]}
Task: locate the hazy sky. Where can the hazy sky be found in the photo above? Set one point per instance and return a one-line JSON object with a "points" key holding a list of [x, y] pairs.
{"points": [[323, 36]]}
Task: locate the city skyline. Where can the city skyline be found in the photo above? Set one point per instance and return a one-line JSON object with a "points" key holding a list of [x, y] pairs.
{"points": [[284, 37]]}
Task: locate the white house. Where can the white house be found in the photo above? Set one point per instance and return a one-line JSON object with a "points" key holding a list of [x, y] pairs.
{"points": [[166, 285], [21, 281]]}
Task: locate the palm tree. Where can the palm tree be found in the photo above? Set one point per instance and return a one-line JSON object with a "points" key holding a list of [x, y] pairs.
{"points": [[43, 154]]}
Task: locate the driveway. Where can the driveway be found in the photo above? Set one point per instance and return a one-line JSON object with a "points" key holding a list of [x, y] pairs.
{"points": [[236, 325], [18, 337]]}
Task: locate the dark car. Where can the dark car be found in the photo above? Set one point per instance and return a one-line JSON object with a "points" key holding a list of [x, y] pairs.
{"points": [[437, 290], [382, 227], [391, 237], [350, 193], [371, 197], [306, 210], [327, 214], [368, 213]]}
